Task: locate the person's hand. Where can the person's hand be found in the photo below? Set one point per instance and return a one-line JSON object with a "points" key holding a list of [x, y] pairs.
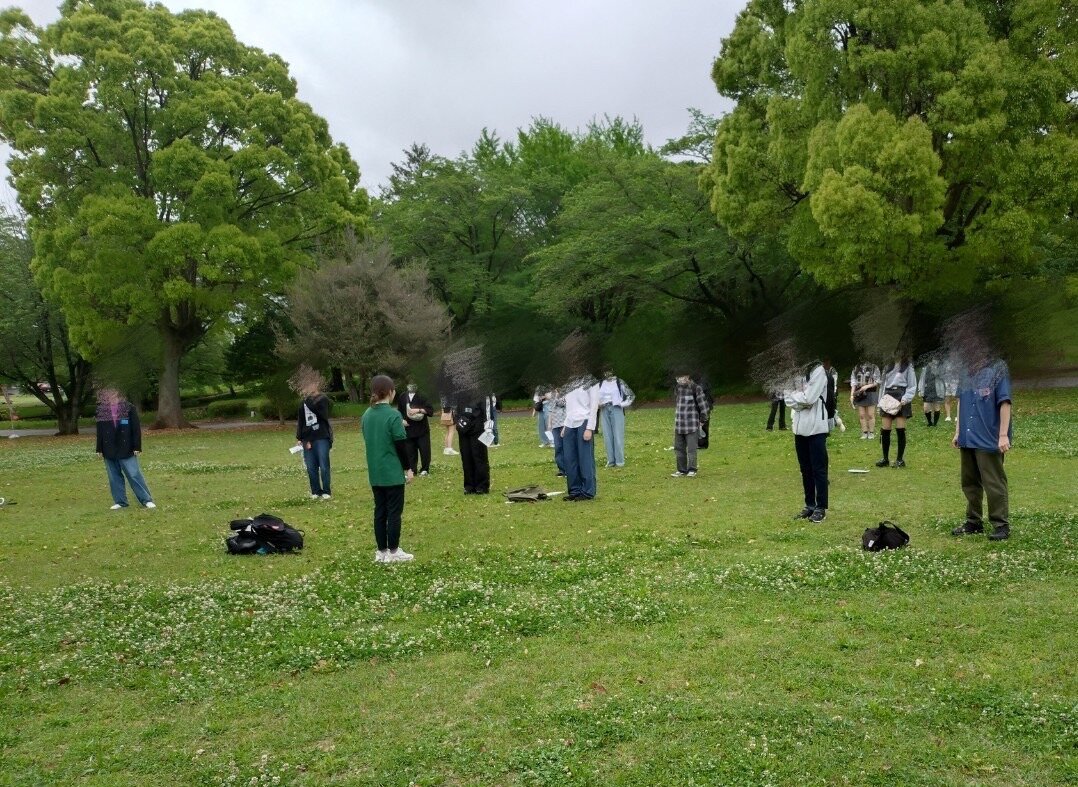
{"points": [[408, 476], [137, 453], [308, 446], [1004, 444], [954, 440], [404, 423], [587, 435], [563, 431]]}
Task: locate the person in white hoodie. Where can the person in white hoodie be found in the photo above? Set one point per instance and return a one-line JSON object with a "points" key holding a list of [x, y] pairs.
{"points": [[805, 397]]}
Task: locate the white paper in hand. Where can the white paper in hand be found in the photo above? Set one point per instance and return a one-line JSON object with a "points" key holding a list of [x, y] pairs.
{"points": [[295, 449]]}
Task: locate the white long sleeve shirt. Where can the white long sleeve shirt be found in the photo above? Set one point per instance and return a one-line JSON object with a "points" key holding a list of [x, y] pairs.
{"points": [[582, 407], [806, 402]]}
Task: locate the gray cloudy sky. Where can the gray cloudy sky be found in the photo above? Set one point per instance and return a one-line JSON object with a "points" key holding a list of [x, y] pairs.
{"points": [[386, 73]]}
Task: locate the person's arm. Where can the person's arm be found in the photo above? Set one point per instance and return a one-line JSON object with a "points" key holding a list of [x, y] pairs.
{"points": [[593, 409], [100, 439], [808, 395], [911, 385], [701, 403], [136, 430], [1005, 427], [627, 395], [300, 423]]}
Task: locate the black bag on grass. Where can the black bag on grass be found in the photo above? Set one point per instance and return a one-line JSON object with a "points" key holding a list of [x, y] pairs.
{"points": [[887, 535], [268, 533], [526, 494]]}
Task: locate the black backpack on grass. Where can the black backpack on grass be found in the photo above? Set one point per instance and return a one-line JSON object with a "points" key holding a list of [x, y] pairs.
{"points": [[264, 534], [887, 535]]}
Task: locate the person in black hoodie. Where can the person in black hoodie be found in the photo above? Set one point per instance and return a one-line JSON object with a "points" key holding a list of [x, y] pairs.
{"points": [[119, 441], [415, 410], [472, 421], [313, 430]]}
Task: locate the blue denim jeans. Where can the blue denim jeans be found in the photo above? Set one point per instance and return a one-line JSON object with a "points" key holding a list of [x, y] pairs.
{"points": [[579, 462], [117, 469], [614, 435], [540, 427], [317, 460]]}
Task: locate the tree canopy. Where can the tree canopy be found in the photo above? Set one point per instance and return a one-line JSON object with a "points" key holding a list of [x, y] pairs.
{"points": [[170, 172], [926, 142]]}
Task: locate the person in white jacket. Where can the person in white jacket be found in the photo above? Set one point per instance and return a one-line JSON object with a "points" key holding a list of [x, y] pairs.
{"points": [[805, 397]]}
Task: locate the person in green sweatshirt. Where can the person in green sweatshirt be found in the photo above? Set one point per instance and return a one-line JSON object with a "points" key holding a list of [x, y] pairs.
{"points": [[387, 468]]}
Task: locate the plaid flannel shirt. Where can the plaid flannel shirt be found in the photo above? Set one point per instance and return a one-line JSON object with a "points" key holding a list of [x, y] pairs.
{"points": [[690, 409]]}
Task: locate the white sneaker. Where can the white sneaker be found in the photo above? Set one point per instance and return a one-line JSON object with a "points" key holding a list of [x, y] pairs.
{"points": [[449, 452], [677, 474], [398, 556], [948, 418], [327, 497], [381, 556], [871, 435], [316, 497], [116, 507], [691, 474], [423, 473], [151, 504]]}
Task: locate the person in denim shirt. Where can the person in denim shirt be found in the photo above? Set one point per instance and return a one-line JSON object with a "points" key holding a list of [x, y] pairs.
{"points": [[983, 437]]}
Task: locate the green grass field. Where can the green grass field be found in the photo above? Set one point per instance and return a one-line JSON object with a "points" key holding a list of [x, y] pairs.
{"points": [[674, 631]]}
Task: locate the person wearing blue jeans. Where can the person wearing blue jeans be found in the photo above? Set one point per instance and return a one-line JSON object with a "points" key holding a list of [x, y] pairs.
{"points": [[314, 432], [578, 445], [119, 441], [614, 397], [541, 400]]}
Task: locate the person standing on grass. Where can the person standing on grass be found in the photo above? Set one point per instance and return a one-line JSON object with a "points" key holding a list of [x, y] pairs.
{"points": [[415, 412], [807, 401], [900, 384], [950, 385], [691, 410], [557, 421], [983, 436], [933, 390], [778, 406], [472, 421], [449, 422], [495, 408], [578, 445], [119, 442], [865, 395], [615, 397], [386, 445], [313, 430], [540, 400]]}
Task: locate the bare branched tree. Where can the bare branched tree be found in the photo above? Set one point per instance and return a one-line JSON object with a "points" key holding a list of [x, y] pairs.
{"points": [[363, 314]]}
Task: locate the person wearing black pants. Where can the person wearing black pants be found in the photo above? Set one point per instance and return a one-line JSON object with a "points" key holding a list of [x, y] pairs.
{"points": [[778, 405], [811, 425], [387, 469], [474, 459], [415, 410]]}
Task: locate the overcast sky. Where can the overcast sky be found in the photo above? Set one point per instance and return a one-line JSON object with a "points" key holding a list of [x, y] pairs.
{"points": [[386, 73]]}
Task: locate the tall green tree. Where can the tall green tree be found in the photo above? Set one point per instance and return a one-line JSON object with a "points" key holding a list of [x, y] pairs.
{"points": [[34, 344], [928, 142], [170, 172]]}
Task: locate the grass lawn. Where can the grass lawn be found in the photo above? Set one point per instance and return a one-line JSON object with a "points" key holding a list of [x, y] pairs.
{"points": [[674, 631]]}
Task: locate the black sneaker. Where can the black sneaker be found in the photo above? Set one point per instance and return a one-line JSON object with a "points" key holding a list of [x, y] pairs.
{"points": [[1000, 533], [819, 515], [900, 463], [882, 463], [806, 512], [967, 529], [570, 498]]}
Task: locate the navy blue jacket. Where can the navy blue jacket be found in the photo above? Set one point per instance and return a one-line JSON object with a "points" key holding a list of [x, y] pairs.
{"points": [[121, 439]]}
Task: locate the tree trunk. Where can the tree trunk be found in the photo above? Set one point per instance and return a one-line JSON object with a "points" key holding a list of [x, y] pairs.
{"points": [[169, 407], [336, 382], [67, 418], [350, 386]]}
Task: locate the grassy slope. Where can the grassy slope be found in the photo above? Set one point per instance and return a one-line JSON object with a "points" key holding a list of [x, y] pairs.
{"points": [[674, 631]]}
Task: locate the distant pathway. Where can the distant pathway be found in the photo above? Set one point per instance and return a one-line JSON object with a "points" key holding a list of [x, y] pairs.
{"points": [[1068, 381]]}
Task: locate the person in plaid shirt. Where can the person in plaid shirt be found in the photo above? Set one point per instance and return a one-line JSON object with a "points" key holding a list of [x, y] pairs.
{"points": [[690, 412]]}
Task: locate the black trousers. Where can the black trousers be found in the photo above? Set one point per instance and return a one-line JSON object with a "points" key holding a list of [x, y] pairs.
{"points": [[419, 448], [476, 465], [812, 457], [777, 406], [388, 508]]}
